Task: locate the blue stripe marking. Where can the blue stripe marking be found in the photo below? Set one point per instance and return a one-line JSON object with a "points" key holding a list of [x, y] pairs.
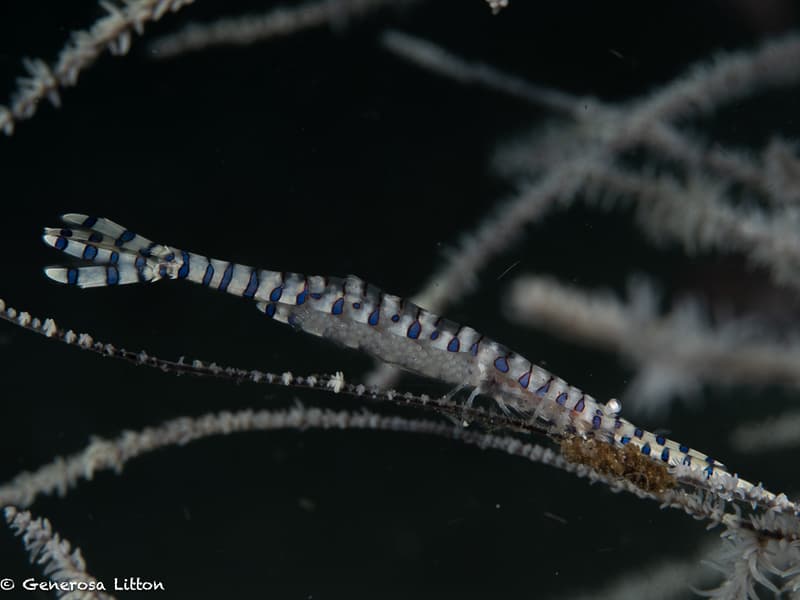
{"points": [[89, 222], [337, 307], [149, 250], [114, 258], [501, 364], [414, 330], [226, 278], [708, 471], [252, 285], [209, 274], [162, 271], [95, 237], [561, 398], [660, 439], [638, 433], [184, 270], [434, 335], [72, 276], [126, 237], [624, 439], [112, 275], [474, 349], [453, 345], [89, 252], [646, 449], [270, 310], [525, 379], [374, 316], [301, 297], [665, 454], [61, 243], [276, 294], [580, 405], [687, 460]]}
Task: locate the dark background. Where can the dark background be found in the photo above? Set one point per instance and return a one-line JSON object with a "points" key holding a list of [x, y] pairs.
{"points": [[323, 153]]}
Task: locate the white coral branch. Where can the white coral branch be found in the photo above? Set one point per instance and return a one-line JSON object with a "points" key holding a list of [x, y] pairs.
{"points": [[112, 32], [62, 564]]}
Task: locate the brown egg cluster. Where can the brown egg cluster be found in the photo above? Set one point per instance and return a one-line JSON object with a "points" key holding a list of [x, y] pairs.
{"points": [[626, 462]]}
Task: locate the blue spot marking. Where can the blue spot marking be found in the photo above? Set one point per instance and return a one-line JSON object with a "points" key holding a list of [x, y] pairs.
{"points": [[94, 237], [337, 307], [660, 439], [301, 297], [638, 433], [374, 316], [525, 379], [61, 243], [147, 251], [580, 405], [208, 274], [252, 285], [501, 364], [665, 454], [226, 278], [434, 335], [357, 305], [276, 294], [708, 471], [170, 257], [683, 448], [414, 330], [89, 222], [140, 263], [162, 271], [112, 275], [687, 460], [624, 439], [270, 310], [561, 398], [72, 276], [114, 258], [453, 345], [126, 237], [292, 320], [709, 460], [89, 253], [474, 349], [395, 318], [596, 421], [316, 295], [184, 270], [544, 389], [646, 449]]}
